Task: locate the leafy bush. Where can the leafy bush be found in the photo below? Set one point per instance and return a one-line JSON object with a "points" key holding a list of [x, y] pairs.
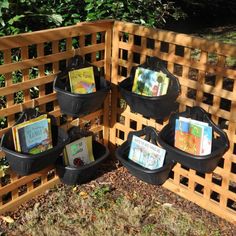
{"points": [[149, 12], [30, 15]]}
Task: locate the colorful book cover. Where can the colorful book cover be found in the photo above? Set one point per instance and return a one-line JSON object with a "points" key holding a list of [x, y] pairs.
{"points": [[193, 136], [82, 80], [16, 127], [35, 137], [146, 154], [145, 82], [79, 152], [164, 82], [182, 135], [150, 83], [196, 136], [206, 143]]}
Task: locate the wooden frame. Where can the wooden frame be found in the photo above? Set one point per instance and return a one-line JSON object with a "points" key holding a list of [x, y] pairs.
{"points": [[202, 66]]}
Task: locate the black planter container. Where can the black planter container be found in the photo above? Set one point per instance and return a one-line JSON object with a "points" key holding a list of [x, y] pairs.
{"points": [[155, 177], [25, 164], [203, 164], [158, 107], [78, 105], [72, 175]]}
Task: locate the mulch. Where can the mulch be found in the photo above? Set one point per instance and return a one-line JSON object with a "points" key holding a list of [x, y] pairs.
{"points": [[122, 182]]}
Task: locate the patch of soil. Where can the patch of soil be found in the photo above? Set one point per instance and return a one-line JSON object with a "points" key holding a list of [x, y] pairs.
{"points": [[122, 182]]}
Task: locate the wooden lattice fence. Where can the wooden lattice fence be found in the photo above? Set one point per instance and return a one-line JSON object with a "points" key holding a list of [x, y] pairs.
{"points": [[207, 80], [30, 63], [204, 70]]}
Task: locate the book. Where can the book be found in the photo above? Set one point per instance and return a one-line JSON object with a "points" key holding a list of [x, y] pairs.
{"points": [[34, 137], [146, 154], [150, 83], [206, 142], [192, 136], [82, 81], [16, 127], [182, 136], [79, 152], [164, 82]]}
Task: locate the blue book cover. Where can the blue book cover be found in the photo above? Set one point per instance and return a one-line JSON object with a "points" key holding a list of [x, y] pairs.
{"points": [[35, 137], [146, 154]]}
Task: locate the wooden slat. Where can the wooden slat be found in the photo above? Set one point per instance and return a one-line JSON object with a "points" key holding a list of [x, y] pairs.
{"points": [[42, 60], [41, 36], [12, 205], [176, 38]]}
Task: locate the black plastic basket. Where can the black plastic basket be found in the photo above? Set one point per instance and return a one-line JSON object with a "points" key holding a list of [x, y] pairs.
{"points": [[25, 164], [155, 177], [157, 107], [78, 175], [78, 105], [203, 164]]}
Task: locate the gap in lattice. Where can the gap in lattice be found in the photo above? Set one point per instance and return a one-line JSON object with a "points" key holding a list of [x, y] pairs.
{"points": [[179, 50]]}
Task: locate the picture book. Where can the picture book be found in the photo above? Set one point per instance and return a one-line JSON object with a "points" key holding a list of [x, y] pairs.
{"points": [[150, 83], [196, 135], [206, 143], [164, 82], [182, 136], [20, 125], [193, 136], [34, 137], [146, 154], [79, 152], [82, 80]]}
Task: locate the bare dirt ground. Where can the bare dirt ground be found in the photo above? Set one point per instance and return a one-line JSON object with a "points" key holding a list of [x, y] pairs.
{"points": [[121, 183]]}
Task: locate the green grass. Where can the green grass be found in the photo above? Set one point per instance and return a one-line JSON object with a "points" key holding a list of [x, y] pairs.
{"points": [[103, 212]]}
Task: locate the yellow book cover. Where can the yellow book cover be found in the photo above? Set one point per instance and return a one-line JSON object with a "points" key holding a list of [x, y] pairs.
{"points": [[65, 157], [14, 138], [82, 80]]}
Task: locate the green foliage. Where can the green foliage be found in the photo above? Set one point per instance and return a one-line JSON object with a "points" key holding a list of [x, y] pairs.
{"points": [[30, 15], [149, 12]]}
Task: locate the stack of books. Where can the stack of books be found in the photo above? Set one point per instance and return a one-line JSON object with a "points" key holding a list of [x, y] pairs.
{"points": [[146, 154], [79, 152], [193, 136], [150, 83], [33, 136], [82, 80]]}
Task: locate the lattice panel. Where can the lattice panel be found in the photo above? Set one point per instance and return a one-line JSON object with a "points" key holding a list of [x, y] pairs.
{"points": [[30, 63], [207, 79]]}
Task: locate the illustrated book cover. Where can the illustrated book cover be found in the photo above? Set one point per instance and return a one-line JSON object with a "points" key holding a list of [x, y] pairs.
{"points": [[206, 139], [150, 83], [146, 154], [82, 81], [20, 125], [192, 136], [182, 135], [79, 152], [34, 137]]}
